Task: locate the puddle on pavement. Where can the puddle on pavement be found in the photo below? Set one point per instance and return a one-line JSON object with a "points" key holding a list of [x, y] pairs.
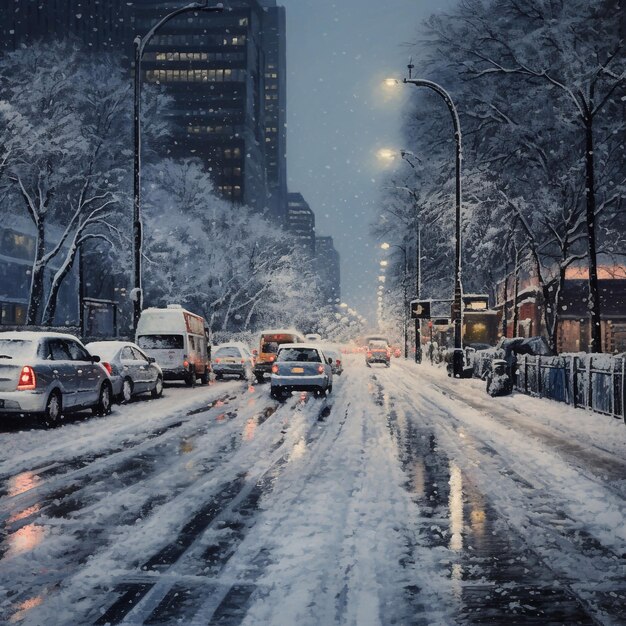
{"points": [[495, 578], [23, 540], [21, 483], [21, 609], [249, 429]]}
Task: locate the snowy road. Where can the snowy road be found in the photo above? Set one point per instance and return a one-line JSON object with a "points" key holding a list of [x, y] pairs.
{"points": [[405, 498]]}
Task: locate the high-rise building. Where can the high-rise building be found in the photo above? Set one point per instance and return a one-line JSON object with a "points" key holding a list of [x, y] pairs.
{"points": [[225, 73], [213, 67], [275, 45], [328, 264], [301, 221]]}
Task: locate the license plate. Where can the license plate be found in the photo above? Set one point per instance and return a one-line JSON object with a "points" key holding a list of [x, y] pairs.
{"points": [[297, 370]]}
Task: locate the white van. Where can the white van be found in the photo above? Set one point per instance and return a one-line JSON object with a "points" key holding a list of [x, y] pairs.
{"points": [[177, 339]]}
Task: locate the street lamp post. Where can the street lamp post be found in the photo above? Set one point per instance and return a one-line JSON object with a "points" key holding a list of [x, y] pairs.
{"points": [[140, 46], [457, 308], [405, 303]]}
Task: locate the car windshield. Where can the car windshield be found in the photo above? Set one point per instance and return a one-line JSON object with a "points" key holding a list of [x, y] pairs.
{"points": [[161, 342], [105, 350], [378, 345], [226, 352], [307, 355], [269, 347], [15, 348]]}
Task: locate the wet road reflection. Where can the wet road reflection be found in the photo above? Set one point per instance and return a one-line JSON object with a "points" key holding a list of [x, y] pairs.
{"points": [[495, 577], [24, 540], [24, 607]]}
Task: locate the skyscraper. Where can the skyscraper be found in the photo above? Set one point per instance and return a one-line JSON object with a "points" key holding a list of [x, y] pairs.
{"points": [[328, 264], [301, 222], [274, 34], [225, 74]]}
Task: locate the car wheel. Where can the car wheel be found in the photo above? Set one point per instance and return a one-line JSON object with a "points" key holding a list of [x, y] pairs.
{"points": [[368, 364], [53, 413], [127, 391], [104, 401], [157, 392], [260, 378], [204, 379], [330, 389], [276, 393], [388, 364], [190, 379]]}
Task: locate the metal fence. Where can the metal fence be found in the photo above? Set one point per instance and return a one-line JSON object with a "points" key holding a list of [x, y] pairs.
{"points": [[596, 382]]}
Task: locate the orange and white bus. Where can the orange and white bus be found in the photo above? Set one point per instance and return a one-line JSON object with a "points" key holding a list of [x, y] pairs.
{"points": [[268, 348], [177, 339]]}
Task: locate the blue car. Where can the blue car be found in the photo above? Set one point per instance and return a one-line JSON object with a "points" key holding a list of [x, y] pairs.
{"points": [[301, 367]]}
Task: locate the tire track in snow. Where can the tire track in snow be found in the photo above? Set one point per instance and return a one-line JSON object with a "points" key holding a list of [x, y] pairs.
{"points": [[170, 560], [553, 537]]}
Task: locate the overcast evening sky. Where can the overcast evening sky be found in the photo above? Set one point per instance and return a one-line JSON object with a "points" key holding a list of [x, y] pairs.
{"points": [[338, 52]]}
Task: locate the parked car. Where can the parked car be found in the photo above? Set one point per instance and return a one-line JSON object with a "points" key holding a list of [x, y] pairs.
{"points": [[49, 374], [232, 359], [132, 371], [378, 352], [270, 342], [301, 367], [177, 339], [335, 357]]}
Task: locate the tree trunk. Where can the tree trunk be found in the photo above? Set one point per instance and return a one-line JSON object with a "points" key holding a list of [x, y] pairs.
{"points": [[516, 294], [51, 304], [38, 276], [594, 296], [553, 335]]}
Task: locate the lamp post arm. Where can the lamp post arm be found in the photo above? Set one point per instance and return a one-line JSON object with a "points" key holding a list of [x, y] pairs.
{"points": [[458, 290], [194, 6]]}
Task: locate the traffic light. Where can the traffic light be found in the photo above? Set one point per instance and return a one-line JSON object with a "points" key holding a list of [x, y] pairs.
{"points": [[420, 309]]}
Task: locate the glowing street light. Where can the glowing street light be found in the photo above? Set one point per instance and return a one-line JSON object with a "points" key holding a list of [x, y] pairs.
{"points": [[387, 156], [384, 263], [385, 246]]}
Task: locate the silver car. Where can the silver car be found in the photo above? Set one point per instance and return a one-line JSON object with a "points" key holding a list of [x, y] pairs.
{"points": [[335, 356], [49, 374], [301, 367], [232, 359], [132, 371]]}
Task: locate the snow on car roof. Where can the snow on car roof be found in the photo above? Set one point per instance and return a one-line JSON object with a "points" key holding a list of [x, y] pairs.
{"points": [[300, 346], [32, 335], [108, 348]]}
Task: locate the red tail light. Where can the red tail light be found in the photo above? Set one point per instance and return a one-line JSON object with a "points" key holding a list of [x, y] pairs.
{"points": [[243, 360], [369, 353], [217, 360], [338, 361], [274, 369], [272, 358], [185, 364], [107, 367], [320, 369], [27, 379]]}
